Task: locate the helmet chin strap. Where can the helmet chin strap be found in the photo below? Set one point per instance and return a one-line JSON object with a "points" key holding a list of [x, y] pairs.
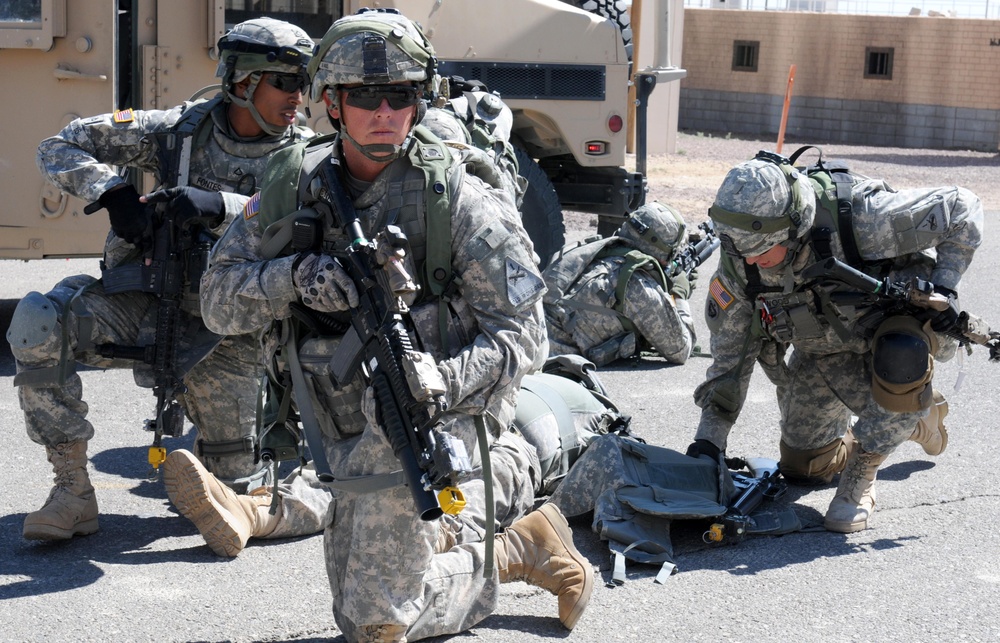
{"points": [[387, 151], [247, 104]]}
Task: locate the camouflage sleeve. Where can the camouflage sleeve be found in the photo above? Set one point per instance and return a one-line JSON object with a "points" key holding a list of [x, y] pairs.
{"points": [[80, 159], [721, 396], [657, 318], [492, 257], [241, 292], [891, 224]]}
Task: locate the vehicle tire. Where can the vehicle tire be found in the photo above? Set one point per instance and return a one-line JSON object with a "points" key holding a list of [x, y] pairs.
{"points": [[614, 10], [541, 212]]}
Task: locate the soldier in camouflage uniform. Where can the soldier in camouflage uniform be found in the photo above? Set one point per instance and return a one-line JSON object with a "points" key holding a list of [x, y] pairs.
{"points": [[590, 311], [263, 69], [760, 303], [393, 576]]}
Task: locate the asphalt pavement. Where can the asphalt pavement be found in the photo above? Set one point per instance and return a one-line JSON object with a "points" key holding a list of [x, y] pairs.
{"points": [[927, 569]]}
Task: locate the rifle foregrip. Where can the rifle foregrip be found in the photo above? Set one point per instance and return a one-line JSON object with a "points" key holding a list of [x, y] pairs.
{"points": [[427, 505]]}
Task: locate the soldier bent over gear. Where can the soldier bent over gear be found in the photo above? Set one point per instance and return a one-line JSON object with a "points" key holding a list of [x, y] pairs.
{"points": [[229, 138], [395, 577], [610, 298], [774, 222]]}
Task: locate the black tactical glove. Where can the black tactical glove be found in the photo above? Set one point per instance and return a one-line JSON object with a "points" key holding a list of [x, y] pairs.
{"points": [[681, 286], [130, 218], [946, 319], [703, 447], [188, 203]]}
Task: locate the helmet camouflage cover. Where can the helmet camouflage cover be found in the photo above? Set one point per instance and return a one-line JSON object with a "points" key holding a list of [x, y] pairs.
{"points": [[373, 48], [760, 204], [655, 229], [259, 45]]}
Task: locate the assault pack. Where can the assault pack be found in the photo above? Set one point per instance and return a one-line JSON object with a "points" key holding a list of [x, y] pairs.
{"points": [[637, 491], [569, 264]]}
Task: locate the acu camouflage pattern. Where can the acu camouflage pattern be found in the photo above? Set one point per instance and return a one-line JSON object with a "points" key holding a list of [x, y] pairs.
{"points": [[662, 323], [386, 567], [760, 190], [480, 120], [221, 398], [827, 378]]}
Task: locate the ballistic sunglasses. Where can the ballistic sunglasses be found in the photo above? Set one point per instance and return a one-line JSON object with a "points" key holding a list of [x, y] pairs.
{"points": [[369, 97], [288, 83]]}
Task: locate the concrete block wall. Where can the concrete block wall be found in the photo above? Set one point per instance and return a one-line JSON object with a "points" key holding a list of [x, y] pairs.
{"points": [[944, 92]]}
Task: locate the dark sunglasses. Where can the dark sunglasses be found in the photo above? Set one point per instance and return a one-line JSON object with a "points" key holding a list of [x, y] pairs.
{"points": [[288, 83], [371, 96]]}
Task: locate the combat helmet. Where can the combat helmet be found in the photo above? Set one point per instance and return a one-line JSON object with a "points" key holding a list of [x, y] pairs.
{"points": [[261, 45], [374, 47], [655, 229], [762, 203]]}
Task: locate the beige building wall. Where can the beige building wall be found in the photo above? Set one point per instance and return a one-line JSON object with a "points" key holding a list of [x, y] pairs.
{"points": [[943, 68]]}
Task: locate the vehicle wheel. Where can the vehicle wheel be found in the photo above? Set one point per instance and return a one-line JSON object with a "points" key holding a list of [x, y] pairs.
{"points": [[541, 212], [614, 10]]}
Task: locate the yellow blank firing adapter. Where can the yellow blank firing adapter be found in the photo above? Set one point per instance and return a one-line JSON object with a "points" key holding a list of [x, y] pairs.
{"points": [[157, 455], [452, 500]]}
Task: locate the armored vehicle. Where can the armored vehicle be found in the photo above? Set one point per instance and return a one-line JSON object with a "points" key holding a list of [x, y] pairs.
{"points": [[563, 69]]}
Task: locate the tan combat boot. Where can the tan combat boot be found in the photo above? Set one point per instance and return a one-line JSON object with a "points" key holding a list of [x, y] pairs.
{"points": [[382, 634], [854, 501], [71, 509], [225, 519], [538, 549], [931, 433], [817, 466]]}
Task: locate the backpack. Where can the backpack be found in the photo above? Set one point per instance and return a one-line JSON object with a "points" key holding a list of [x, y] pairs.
{"points": [[566, 268], [637, 490], [832, 182], [479, 118]]}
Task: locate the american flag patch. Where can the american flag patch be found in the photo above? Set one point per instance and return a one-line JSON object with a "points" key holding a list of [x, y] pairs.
{"points": [[252, 207], [124, 116], [720, 294]]}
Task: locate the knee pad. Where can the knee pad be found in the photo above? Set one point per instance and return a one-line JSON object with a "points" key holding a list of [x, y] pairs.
{"points": [[35, 320], [902, 364], [814, 466]]}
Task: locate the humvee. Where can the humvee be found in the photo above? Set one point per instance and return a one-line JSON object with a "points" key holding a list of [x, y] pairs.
{"points": [[564, 70]]}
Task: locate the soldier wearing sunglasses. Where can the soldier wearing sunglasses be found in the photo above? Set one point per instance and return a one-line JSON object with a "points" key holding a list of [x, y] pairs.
{"points": [[394, 576], [222, 145]]}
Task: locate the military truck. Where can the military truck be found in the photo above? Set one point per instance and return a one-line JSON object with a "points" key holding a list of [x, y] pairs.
{"points": [[564, 70]]}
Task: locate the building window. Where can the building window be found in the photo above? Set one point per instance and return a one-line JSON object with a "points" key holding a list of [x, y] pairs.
{"points": [[878, 63], [745, 54]]}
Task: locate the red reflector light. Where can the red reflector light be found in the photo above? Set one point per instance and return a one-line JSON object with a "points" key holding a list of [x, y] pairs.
{"points": [[615, 123], [596, 147]]}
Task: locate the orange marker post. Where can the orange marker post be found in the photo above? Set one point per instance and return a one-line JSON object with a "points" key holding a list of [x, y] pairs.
{"points": [[784, 109]]}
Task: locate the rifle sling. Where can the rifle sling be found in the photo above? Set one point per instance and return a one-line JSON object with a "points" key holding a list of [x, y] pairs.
{"points": [[314, 436]]}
